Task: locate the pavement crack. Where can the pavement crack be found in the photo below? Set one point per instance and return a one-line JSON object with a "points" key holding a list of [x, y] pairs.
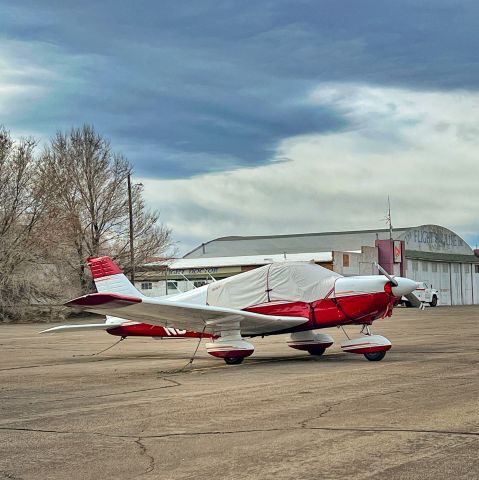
{"points": [[144, 452], [252, 430], [304, 423], [173, 383], [8, 476], [42, 365]]}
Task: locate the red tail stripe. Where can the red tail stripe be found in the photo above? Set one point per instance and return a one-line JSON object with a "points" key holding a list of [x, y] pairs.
{"points": [[102, 267]]}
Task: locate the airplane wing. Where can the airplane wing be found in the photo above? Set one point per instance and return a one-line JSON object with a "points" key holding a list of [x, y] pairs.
{"points": [[182, 315]]}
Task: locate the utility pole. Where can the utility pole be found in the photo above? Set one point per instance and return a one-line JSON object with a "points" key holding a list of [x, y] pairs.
{"points": [[132, 252]]}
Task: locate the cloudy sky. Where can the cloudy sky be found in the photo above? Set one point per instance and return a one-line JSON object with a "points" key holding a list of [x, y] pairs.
{"points": [[262, 117]]}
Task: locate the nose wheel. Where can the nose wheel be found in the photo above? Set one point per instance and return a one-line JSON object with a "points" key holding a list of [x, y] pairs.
{"points": [[233, 360], [316, 351], [375, 357]]}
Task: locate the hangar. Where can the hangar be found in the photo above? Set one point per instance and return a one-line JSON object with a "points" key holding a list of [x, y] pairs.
{"points": [[429, 253]]}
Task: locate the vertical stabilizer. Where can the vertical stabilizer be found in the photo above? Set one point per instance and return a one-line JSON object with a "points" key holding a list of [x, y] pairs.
{"points": [[109, 278]]}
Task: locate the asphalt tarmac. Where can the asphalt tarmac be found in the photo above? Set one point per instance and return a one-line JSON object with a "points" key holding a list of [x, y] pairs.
{"points": [[126, 414]]}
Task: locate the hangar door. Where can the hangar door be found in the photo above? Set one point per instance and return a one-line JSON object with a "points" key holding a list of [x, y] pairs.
{"points": [[456, 284], [435, 273], [475, 277], [435, 281], [467, 283], [445, 284]]}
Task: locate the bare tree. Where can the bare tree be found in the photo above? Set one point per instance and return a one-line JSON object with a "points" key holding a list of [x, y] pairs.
{"points": [[22, 205], [90, 203]]}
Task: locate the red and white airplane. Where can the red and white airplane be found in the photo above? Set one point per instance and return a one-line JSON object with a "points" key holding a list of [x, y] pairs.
{"points": [[285, 297]]}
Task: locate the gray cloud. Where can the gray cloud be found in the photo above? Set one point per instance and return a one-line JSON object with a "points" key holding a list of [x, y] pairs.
{"points": [[342, 180], [195, 87]]}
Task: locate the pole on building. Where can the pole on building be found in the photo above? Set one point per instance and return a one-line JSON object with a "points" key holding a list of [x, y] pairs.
{"points": [[390, 220], [132, 252]]}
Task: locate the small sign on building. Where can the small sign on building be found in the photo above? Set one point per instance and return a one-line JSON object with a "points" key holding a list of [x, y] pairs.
{"points": [[397, 251]]}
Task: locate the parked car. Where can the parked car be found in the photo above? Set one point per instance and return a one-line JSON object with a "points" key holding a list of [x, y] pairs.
{"points": [[425, 294]]}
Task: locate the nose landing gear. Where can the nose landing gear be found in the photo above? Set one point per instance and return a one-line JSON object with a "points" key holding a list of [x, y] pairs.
{"points": [[373, 347]]}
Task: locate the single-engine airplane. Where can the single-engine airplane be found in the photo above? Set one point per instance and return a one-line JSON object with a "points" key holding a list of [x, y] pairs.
{"points": [[285, 297]]}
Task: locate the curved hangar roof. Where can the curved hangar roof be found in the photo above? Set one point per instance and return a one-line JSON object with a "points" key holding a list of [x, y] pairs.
{"points": [[424, 241]]}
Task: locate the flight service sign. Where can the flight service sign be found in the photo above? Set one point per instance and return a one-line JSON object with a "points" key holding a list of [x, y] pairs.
{"points": [[432, 238]]}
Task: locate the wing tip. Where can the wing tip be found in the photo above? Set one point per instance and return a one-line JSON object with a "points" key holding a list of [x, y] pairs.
{"points": [[48, 330]]}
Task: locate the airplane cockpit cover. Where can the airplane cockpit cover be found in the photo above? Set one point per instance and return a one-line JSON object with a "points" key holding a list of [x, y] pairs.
{"points": [[282, 281]]}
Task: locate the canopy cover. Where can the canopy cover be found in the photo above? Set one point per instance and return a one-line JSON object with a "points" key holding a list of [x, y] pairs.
{"points": [[284, 281]]}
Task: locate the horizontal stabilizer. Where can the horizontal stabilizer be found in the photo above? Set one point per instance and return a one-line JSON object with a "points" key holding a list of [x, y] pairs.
{"points": [[82, 327], [102, 300]]}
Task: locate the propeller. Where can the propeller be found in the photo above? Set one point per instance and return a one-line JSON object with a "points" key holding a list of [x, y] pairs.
{"points": [[412, 299], [386, 274]]}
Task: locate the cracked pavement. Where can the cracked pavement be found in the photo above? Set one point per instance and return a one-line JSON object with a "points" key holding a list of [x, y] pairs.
{"points": [[281, 414]]}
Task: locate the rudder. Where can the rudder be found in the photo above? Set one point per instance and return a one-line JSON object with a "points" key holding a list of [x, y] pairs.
{"points": [[109, 278]]}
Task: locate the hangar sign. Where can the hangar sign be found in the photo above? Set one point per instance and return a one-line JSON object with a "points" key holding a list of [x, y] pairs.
{"points": [[432, 238], [204, 271]]}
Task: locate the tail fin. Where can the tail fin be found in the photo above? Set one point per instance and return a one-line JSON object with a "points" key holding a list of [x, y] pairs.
{"points": [[109, 278]]}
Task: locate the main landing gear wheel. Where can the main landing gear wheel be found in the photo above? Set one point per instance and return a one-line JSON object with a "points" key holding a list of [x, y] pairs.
{"points": [[316, 351], [375, 357], [233, 360]]}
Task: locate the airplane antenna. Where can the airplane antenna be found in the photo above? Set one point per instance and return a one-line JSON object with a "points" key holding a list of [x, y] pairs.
{"points": [[389, 221], [211, 276]]}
